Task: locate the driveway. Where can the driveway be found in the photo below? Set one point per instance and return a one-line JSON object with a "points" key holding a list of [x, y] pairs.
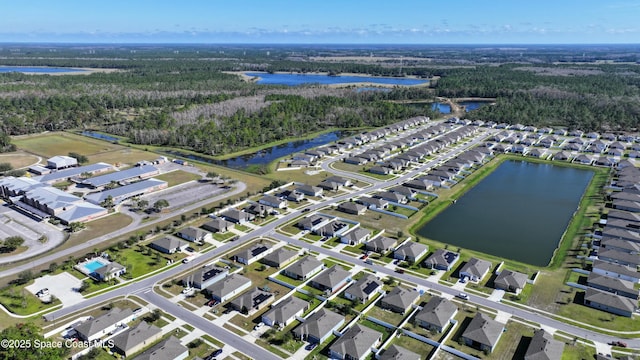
{"points": [[61, 286]]}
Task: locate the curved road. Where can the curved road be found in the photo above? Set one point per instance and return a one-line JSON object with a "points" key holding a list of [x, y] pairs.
{"points": [[144, 288], [63, 254]]}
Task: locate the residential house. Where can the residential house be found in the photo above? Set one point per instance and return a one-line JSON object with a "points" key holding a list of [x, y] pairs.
{"points": [[304, 268], [228, 287], [626, 205], [237, 217], [613, 285], [538, 153], [259, 210], [110, 271], [364, 289], [381, 244], [169, 245], [194, 234], [252, 254], [170, 349], [380, 170], [544, 347], [609, 302], [334, 228], [399, 299], [252, 301], [285, 312], [310, 190], [340, 180], [280, 258], [273, 201], [393, 197], [94, 329], [436, 314], [420, 183], [442, 259], [356, 236], [410, 251], [407, 191], [313, 222], [483, 332], [205, 276], [583, 159], [350, 207], [356, 343], [292, 195], [329, 185], [135, 339], [373, 203], [399, 353], [218, 225], [619, 257], [475, 269], [511, 281], [616, 271], [561, 156], [331, 279], [319, 326], [620, 245]]}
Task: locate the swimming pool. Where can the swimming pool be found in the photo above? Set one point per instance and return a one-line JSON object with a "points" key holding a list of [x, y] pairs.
{"points": [[93, 266]]}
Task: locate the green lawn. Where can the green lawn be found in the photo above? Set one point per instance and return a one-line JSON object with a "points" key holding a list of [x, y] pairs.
{"points": [[21, 302], [223, 236], [51, 144], [177, 177], [414, 345], [386, 315], [243, 228]]}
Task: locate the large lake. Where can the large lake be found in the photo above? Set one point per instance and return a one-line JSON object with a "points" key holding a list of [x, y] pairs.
{"points": [[266, 156], [520, 211], [39, 70], [302, 79]]}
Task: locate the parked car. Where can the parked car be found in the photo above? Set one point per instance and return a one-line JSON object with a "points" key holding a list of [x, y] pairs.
{"points": [[306, 210], [618, 343], [311, 346], [400, 270], [463, 296], [258, 326]]}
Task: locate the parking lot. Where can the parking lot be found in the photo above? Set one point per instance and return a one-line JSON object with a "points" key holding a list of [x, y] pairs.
{"points": [[184, 194], [14, 223], [62, 286]]}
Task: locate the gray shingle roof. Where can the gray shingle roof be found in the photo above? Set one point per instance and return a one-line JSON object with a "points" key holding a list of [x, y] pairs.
{"points": [[411, 249], [401, 298], [511, 279], [169, 349], [483, 330], [304, 266], [364, 287], [398, 353], [610, 300], [319, 324], [544, 347], [438, 311], [128, 340], [285, 309], [356, 342], [280, 256], [441, 257], [225, 287], [476, 267], [92, 327], [332, 276]]}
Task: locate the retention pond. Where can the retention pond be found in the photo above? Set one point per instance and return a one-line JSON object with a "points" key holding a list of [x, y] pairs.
{"points": [[520, 211]]}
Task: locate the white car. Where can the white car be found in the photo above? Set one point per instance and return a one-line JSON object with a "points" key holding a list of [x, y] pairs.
{"points": [[463, 296], [258, 326], [187, 290]]}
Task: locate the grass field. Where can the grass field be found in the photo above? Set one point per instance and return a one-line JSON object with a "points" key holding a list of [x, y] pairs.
{"points": [[18, 159], [51, 144], [177, 177]]}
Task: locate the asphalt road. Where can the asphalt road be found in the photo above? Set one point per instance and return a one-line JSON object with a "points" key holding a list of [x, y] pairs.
{"points": [[144, 288], [240, 188]]}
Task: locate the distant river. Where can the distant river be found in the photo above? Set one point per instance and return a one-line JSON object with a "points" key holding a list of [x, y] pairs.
{"points": [[39, 70], [302, 79], [519, 211]]}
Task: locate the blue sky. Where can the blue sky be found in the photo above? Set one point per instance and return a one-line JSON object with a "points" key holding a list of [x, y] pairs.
{"points": [[326, 21]]}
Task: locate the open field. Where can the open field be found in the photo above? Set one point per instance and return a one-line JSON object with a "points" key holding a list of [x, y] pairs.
{"points": [[18, 159], [51, 144], [177, 177]]}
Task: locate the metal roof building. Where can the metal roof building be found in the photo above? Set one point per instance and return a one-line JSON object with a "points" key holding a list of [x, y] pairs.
{"points": [[141, 172], [122, 193]]}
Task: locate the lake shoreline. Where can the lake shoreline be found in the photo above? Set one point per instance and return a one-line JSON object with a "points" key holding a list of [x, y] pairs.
{"points": [[254, 79]]}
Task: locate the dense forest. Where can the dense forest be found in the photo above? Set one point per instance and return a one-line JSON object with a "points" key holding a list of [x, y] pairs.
{"points": [[184, 96]]}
